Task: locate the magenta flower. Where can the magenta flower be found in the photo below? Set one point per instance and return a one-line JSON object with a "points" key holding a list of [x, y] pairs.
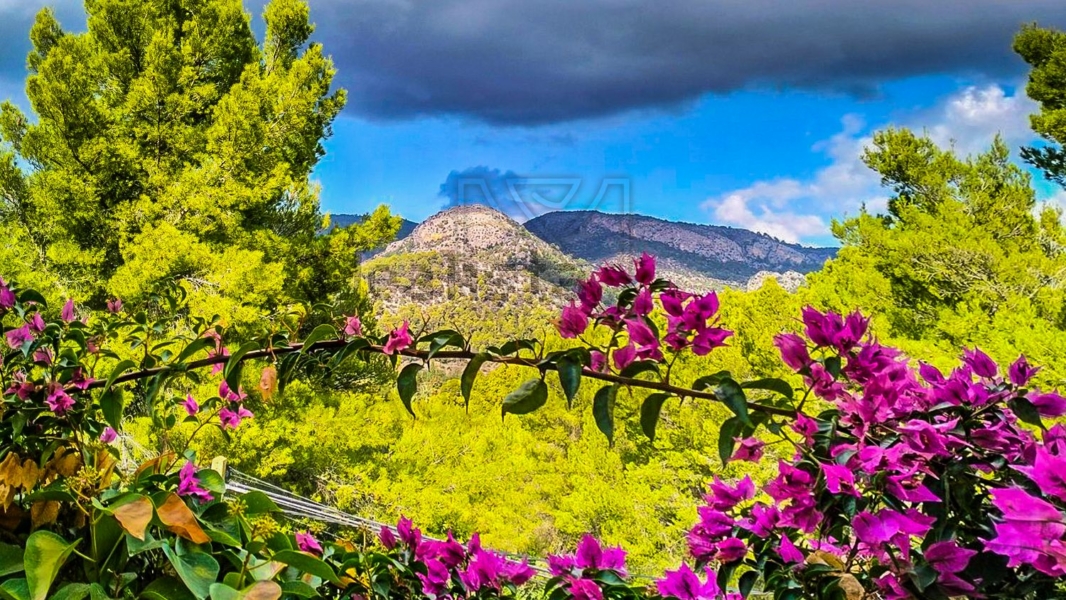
{"points": [[36, 323], [683, 584], [435, 581], [981, 363], [584, 589], [307, 543], [19, 386], [731, 550], [228, 394], [643, 304], [189, 485], [190, 405], [805, 426], [517, 573], [645, 269], [57, 400], [724, 496], [67, 313], [353, 327], [1050, 405], [399, 339], [947, 557], [109, 435], [572, 322], [17, 337], [232, 419], [591, 555], [597, 360], [561, 564], [79, 380], [749, 449], [822, 328], [839, 479], [1048, 471], [624, 356], [387, 539], [642, 336], [793, 350], [708, 339], [114, 306], [673, 301], [409, 534], [7, 297], [788, 551], [43, 356], [589, 294], [1020, 372], [613, 276], [448, 552]]}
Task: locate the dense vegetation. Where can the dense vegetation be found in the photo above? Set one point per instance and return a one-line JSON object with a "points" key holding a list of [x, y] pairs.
{"points": [[169, 156]]}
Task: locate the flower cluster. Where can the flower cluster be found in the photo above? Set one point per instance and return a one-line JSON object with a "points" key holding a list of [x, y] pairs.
{"points": [[913, 481], [446, 568], [584, 573], [691, 319]]}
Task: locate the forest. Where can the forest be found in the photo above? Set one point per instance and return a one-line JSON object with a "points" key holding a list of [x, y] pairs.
{"points": [[172, 293]]}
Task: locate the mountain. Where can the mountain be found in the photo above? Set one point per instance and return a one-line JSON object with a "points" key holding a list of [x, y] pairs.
{"points": [[344, 220], [471, 251], [690, 254]]}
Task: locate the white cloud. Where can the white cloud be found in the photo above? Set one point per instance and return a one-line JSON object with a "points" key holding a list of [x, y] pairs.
{"points": [[798, 210]]}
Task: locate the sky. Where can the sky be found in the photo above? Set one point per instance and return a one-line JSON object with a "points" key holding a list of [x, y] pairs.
{"points": [[751, 114]]}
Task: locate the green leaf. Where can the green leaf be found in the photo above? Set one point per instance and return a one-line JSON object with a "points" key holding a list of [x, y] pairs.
{"points": [[306, 563], [111, 404], [833, 366], [119, 369], [324, 331], [45, 554], [232, 371], [194, 347], [466, 383], [167, 588], [603, 410], [732, 395], [15, 589], [257, 503], [726, 444], [708, 381], [1026, 411], [770, 384], [649, 413], [407, 384], [72, 591], [10, 559], [198, 570], [32, 296], [221, 591], [529, 396], [298, 588], [569, 377], [443, 339], [747, 583]]}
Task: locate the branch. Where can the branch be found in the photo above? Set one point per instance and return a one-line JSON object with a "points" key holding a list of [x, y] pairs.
{"points": [[337, 344]]}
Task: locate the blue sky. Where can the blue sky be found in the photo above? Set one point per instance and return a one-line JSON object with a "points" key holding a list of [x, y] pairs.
{"points": [[750, 114]]}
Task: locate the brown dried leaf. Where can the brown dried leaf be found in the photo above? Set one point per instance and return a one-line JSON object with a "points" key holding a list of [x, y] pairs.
{"points": [[262, 590], [66, 463], [44, 512], [11, 518], [851, 587], [11, 470], [134, 516], [179, 519], [268, 383], [30, 473], [821, 557], [7, 495]]}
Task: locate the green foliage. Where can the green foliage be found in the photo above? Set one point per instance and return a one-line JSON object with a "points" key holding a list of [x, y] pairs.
{"points": [[1044, 49]]}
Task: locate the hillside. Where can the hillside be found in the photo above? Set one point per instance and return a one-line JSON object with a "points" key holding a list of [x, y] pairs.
{"points": [[687, 252], [471, 251]]}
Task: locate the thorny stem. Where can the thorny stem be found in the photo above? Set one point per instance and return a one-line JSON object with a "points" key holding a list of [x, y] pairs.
{"points": [[337, 344]]}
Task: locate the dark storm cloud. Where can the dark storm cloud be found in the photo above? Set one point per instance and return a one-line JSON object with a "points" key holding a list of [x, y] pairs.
{"points": [[530, 62]]}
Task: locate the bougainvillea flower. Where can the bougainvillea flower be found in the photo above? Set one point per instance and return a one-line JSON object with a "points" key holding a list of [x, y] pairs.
{"points": [[822, 329], [931, 374], [387, 538], [684, 584], [229, 395], [7, 297], [749, 449], [854, 329], [1050, 405], [307, 543], [624, 356], [19, 336], [114, 306], [805, 426], [613, 276], [353, 327], [764, 519], [79, 380], [36, 323], [518, 573], [1020, 372], [399, 339], [19, 386], [947, 557], [793, 350], [597, 360], [584, 589], [189, 485], [409, 534], [724, 496], [645, 269], [591, 555], [572, 322], [43, 356], [109, 435], [449, 552], [435, 580], [1048, 471], [839, 479], [190, 405], [561, 564], [981, 363], [58, 400], [67, 312], [708, 339], [731, 550], [788, 551], [673, 301], [231, 419], [643, 304], [589, 294]]}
